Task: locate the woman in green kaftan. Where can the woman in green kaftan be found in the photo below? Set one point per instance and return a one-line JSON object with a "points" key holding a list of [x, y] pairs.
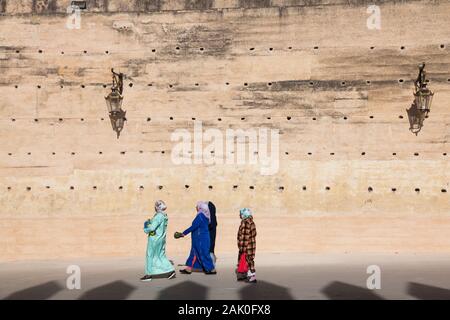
{"points": [[157, 265]]}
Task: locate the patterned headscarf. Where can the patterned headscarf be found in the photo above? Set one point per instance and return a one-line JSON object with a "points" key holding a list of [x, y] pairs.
{"points": [[160, 206], [245, 213], [202, 207]]}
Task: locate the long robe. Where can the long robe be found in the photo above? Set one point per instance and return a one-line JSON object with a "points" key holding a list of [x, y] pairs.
{"points": [[212, 226], [157, 262], [199, 257]]}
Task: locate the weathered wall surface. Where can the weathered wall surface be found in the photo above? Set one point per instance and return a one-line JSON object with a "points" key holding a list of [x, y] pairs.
{"points": [[352, 177]]}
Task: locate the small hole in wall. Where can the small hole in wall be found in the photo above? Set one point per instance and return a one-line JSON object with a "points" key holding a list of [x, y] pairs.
{"points": [[100, 152], [16, 86], [36, 120], [252, 187], [400, 80], [38, 86], [163, 152], [370, 189], [402, 48], [227, 83], [122, 152], [314, 119], [141, 151], [193, 119], [443, 190], [371, 117], [153, 50], [73, 153], [242, 118], [60, 119], [170, 86], [120, 187], [29, 153], [160, 187], [394, 153], [9, 188], [149, 119], [210, 187], [53, 153], [219, 119], [72, 187], [177, 48], [13, 119], [316, 48], [104, 86], [107, 52], [286, 153], [85, 51], [141, 187], [331, 153], [94, 187], [245, 84], [327, 188], [393, 189], [269, 84], [417, 190], [289, 118], [17, 51], [280, 188], [309, 153], [311, 83], [251, 49], [47, 187], [28, 188], [9, 154], [290, 48], [268, 118], [82, 119], [150, 85], [363, 153], [371, 48], [400, 117], [343, 83], [442, 46], [345, 118], [304, 188], [235, 186], [368, 82], [270, 49], [201, 49], [186, 186], [83, 86], [416, 154], [40, 51], [444, 154], [196, 84], [130, 85]]}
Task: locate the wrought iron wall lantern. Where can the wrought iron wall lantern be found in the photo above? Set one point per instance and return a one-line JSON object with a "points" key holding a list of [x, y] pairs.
{"points": [[422, 102], [114, 103]]}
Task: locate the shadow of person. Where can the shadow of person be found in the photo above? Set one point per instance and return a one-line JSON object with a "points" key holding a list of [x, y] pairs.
{"points": [[265, 290], [343, 291], [40, 292], [117, 290], [187, 290], [426, 292]]}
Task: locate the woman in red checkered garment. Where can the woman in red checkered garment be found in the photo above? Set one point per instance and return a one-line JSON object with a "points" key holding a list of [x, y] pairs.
{"points": [[246, 240]]}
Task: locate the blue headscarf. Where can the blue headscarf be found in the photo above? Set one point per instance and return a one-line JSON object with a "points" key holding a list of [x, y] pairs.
{"points": [[245, 213]]}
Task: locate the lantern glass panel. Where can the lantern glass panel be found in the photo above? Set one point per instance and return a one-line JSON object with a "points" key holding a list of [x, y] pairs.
{"points": [[114, 101]]}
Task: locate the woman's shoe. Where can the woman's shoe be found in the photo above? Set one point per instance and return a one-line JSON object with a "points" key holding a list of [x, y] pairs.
{"points": [[251, 279], [184, 271], [172, 275], [211, 272], [146, 278]]}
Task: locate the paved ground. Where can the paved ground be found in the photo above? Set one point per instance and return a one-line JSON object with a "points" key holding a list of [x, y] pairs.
{"points": [[281, 276]]}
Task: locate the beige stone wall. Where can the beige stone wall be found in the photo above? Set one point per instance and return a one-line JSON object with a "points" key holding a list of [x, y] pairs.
{"points": [[299, 66]]}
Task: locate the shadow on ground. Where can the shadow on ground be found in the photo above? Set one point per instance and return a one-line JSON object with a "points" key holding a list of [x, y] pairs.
{"points": [[40, 292], [264, 290], [117, 290], [426, 292], [187, 290], [343, 291]]}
